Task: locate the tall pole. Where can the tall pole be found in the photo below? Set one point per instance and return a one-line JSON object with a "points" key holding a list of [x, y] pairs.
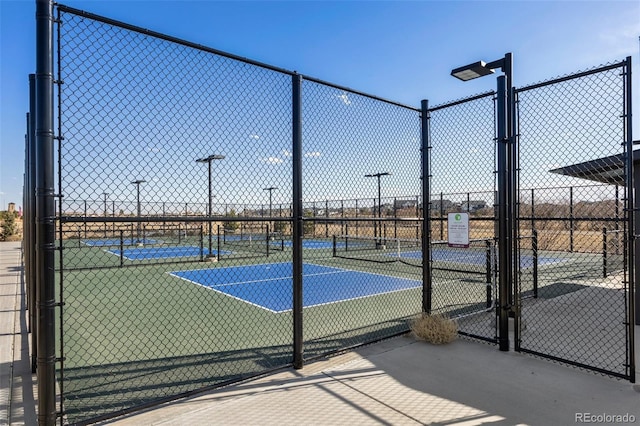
{"points": [[106, 194], [270, 189], [45, 215], [504, 261], [209, 160], [379, 234]]}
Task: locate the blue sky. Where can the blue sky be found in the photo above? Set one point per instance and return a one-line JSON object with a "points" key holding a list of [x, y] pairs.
{"points": [[402, 51]]}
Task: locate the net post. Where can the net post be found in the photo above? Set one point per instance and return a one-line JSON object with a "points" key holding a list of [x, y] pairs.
{"points": [[267, 239], [218, 242], [534, 248], [121, 248], [604, 252], [201, 243], [335, 253]]}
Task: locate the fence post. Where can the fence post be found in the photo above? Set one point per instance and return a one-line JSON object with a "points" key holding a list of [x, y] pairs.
{"points": [[33, 278], [504, 260], [45, 215], [488, 275], [425, 174], [298, 360]]}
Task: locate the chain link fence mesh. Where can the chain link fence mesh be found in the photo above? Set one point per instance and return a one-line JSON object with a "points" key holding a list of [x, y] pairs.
{"points": [[175, 217], [359, 155], [462, 169], [164, 227], [573, 220]]}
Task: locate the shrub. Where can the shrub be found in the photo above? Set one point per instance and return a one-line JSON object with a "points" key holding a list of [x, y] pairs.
{"points": [[436, 329]]}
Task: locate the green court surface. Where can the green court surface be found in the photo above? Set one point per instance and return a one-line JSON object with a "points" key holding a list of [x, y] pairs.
{"points": [[157, 335]]}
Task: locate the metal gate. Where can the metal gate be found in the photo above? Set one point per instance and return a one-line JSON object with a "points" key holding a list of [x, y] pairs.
{"points": [[575, 224], [462, 178]]}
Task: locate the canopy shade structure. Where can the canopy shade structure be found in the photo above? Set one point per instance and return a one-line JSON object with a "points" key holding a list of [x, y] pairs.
{"points": [[609, 170]]}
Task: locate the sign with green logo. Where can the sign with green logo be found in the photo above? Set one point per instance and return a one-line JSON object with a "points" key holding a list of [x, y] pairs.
{"points": [[458, 230]]}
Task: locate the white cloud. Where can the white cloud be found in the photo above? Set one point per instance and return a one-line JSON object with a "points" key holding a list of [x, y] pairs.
{"points": [[344, 98], [286, 153], [254, 136], [313, 154], [272, 160]]}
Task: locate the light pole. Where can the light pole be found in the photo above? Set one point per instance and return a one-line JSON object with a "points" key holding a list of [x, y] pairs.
{"points": [[137, 184], [270, 189], [378, 175], [209, 160], [507, 161], [106, 194]]}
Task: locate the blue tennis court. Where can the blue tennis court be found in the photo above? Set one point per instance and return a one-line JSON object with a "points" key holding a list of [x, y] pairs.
{"points": [[474, 257], [141, 253], [116, 242], [269, 286]]}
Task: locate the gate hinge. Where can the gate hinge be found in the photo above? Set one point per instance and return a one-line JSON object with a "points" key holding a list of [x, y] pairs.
{"points": [[61, 359]]}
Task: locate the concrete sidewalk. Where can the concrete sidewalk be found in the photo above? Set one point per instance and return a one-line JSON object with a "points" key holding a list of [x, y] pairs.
{"points": [[396, 382], [404, 382], [17, 386]]}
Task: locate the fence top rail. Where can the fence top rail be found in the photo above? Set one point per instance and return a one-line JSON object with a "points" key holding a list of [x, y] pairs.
{"points": [[204, 48], [567, 77], [462, 101]]}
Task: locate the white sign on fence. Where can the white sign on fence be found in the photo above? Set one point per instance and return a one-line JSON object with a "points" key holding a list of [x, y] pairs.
{"points": [[458, 230]]}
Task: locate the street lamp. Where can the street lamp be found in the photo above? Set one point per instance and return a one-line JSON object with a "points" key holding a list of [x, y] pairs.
{"points": [[208, 160], [106, 194], [137, 183], [270, 189], [378, 175], [507, 161]]}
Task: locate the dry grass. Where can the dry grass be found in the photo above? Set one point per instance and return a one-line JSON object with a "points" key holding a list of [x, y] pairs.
{"points": [[437, 329]]}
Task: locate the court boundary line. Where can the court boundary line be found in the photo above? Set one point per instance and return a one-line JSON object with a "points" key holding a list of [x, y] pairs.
{"points": [[338, 271]]}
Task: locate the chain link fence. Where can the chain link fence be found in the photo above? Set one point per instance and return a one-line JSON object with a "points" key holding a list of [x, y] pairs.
{"points": [[166, 154], [574, 237], [195, 226]]}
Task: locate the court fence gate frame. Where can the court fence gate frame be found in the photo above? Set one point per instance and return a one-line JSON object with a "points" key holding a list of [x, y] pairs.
{"points": [[89, 300]]}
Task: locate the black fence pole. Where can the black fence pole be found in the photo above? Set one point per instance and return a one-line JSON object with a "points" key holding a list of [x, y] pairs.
{"points": [[425, 153], [45, 212], [503, 227], [488, 272], [298, 359], [31, 224]]}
